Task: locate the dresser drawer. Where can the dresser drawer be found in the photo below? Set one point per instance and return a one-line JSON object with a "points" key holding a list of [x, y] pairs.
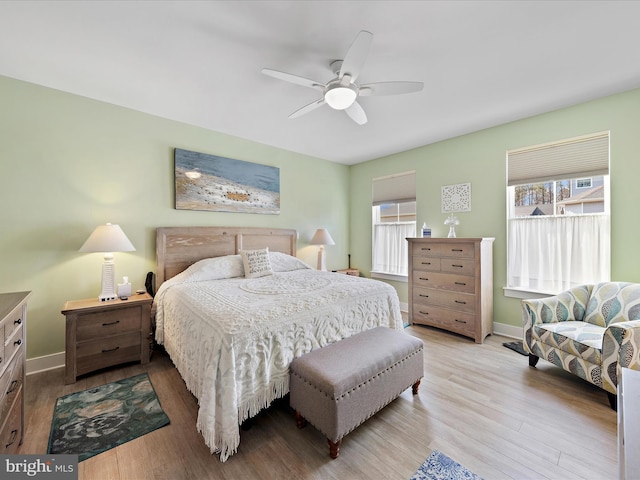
{"points": [[10, 384], [427, 264], [444, 281], [11, 434], [462, 266], [106, 352], [459, 322], [430, 249], [464, 302], [14, 340], [101, 324]]}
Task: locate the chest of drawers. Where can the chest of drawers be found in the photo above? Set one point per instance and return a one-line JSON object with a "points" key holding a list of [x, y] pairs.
{"points": [[451, 284], [13, 319], [103, 334]]}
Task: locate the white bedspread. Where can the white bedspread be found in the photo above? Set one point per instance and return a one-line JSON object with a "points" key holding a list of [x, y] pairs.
{"points": [[232, 339]]}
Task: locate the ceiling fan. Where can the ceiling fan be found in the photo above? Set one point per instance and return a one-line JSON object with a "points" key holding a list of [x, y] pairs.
{"points": [[342, 92]]}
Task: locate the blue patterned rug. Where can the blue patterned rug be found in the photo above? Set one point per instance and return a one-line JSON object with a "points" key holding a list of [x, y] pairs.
{"points": [[90, 422], [440, 467]]}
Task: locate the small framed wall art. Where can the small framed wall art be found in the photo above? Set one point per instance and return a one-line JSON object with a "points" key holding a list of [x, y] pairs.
{"points": [[456, 198]]}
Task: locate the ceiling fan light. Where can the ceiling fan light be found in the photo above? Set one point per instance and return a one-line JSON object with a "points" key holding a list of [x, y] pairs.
{"points": [[340, 97]]}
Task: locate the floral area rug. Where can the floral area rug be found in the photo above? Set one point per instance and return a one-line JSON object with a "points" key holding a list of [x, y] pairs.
{"points": [[440, 467], [92, 421]]}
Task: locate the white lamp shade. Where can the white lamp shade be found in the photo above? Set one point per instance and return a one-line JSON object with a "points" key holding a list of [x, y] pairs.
{"points": [[322, 237], [107, 238]]}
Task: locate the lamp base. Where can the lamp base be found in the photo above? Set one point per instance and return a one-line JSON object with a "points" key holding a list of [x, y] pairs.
{"points": [[108, 281], [321, 262]]}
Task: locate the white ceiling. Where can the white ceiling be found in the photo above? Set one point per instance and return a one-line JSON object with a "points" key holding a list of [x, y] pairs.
{"points": [[483, 63]]}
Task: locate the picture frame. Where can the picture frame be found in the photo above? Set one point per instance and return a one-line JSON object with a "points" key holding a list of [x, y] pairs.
{"points": [[214, 183]]}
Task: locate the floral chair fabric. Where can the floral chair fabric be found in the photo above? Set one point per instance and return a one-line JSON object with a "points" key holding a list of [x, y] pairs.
{"points": [[591, 331]]}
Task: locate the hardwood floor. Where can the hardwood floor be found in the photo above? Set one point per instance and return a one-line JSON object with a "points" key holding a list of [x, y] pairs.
{"points": [[480, 404]]}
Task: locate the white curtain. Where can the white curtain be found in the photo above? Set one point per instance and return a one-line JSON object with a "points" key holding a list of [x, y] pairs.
{"points": [[390, 247], [552, 254]]}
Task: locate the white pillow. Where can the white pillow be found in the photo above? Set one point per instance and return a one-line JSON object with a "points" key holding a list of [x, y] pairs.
{"points": [[256, 263], [216, 268], [281, 262]]}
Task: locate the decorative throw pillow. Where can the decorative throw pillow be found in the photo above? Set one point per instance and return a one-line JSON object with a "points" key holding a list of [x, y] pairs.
{"points": [[256, 263]]}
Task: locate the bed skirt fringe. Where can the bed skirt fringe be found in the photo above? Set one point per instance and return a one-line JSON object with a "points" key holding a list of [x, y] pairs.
{"points": [[229, 445]]}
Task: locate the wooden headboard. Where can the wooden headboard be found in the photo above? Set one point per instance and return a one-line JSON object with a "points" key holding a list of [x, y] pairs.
{"points": [[179, 247]]}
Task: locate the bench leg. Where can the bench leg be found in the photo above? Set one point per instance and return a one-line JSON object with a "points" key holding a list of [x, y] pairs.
{"points": [[415, 387], [334, 448], [300, 420]]}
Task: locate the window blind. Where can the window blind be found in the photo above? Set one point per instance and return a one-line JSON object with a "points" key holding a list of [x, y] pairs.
{"points": [[395, 188], [586, 156]]}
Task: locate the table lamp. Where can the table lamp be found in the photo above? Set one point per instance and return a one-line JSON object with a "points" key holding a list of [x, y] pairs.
{"points": [[108, 239], [322, 238]]}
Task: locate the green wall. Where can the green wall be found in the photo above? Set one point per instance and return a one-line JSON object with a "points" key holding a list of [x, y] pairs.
{"points": [[480, 158], [68, 164]]}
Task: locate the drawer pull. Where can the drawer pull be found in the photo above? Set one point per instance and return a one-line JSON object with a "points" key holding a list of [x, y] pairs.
{"points": [[12, 439], [110, 323], [460, 321], [13, 387], [459, 283], [424, 313], [110, 350], [18, 342], [461, 302], [423, 295], [426, 263], [426, 248], [457, 266], [457, 250], [17, 322], [422, 278]]}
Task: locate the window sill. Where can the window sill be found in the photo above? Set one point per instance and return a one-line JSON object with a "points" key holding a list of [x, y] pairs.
{"points": [[523, 293], [390, 276]]}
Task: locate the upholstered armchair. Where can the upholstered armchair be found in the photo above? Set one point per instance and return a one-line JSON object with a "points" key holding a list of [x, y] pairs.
{"points": [[591, 331]]}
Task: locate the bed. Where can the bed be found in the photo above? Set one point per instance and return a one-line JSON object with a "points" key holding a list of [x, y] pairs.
{"points": [[232, 329]]}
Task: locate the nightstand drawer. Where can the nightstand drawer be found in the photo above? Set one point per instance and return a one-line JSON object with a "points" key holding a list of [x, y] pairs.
{"points": [[106, 352], [102, 324]]}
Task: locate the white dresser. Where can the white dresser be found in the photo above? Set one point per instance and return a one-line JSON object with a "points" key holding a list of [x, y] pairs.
{"points": [[451, 284]]}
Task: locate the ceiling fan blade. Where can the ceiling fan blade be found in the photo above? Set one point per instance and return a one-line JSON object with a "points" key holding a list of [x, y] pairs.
{"points": [[390, 88], [307, 108], [288, 77], [357, 114], [357, 55]]}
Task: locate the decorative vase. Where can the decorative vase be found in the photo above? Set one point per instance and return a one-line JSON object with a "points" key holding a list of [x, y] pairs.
{"points": [[452, 221]]}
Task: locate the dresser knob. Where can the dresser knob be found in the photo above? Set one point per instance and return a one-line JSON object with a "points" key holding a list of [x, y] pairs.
{"points": [[18, 321], [18, 342], [110, 350]]}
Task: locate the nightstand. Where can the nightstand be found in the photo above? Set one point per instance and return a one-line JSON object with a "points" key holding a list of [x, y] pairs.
{"points": [[103, 334], [349, 271]]}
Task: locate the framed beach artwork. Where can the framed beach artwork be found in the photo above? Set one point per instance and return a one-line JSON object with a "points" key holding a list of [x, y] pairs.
{"points": [[210, 182]]}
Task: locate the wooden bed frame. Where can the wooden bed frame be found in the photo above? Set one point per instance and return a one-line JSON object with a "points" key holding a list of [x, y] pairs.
{"points": [[179, 247]]}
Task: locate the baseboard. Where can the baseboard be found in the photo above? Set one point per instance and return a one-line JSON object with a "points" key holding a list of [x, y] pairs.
{"points": [[44, 363], [507, 330]]}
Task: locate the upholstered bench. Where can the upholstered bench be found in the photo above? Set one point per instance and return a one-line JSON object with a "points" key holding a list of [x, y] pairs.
{"points": [[338, 387]]}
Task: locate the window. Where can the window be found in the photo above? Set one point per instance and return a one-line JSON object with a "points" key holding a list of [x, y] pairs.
{"points": [[558, 217], [584, 183], [393, 220]]}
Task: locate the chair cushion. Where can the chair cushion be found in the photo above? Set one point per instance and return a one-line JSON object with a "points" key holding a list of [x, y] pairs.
{"points": [[581, 339], [613, 302]]}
